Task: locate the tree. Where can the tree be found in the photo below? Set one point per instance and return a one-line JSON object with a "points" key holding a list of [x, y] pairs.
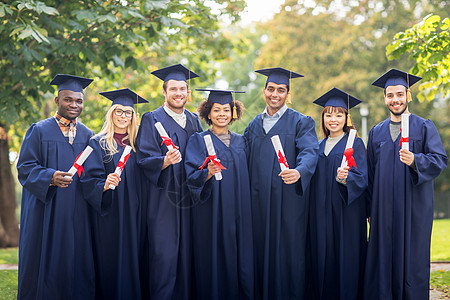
{"points": [[93, 38], [428, 44]]}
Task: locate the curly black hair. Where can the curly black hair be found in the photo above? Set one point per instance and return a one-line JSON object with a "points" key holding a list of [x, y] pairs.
{"points": [[205, 108]]}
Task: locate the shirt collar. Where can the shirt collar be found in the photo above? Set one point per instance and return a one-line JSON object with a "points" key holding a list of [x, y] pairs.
{"points": [[63, 120], [278, 114], [172, 113]]}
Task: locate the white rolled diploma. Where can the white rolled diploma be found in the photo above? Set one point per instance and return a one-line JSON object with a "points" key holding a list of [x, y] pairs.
{"points": [[162, 132], [350, 141], [84, 155], [118, 170], [278, 148], [405, 130], [211, 151]]}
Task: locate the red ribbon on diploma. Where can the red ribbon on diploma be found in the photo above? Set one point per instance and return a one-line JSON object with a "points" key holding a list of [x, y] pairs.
{"points": [[402, 139], [168, 141], [212, 158], [77, 166], [348, 153], [282, 159], [121, 164]]}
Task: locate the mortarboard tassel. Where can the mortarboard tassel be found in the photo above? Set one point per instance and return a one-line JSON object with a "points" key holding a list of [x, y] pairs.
{"points": [[408, 95], [349, 120], [234, 110], [189, 98], [138, 121], [288, 100]]}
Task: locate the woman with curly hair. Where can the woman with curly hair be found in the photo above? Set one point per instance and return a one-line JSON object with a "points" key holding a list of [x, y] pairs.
{"points": [[221, 216], [116, 222], [337, 216]]}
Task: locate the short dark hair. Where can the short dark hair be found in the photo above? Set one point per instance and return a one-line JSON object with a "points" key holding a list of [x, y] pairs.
{"points": [[205, 108]]}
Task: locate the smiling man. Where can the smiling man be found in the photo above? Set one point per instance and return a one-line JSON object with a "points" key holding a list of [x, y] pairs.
{"points": [[55, 258], [401, 193], [167, 217], [279, 198]]}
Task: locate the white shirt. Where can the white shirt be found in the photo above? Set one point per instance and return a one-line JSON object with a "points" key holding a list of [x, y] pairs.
{"points": [[269, 121], [331, 142], [179, 118]]}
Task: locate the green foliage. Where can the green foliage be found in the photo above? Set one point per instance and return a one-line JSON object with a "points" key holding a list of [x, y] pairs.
{"points": [[8, 284], [440, 280], [114, 42], [440, 240], [9, 256], [428, 44]]}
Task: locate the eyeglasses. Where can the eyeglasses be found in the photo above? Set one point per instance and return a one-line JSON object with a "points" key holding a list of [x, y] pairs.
{"points": [[119, 112]]}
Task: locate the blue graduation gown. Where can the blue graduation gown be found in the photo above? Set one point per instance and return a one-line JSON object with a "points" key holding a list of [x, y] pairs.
{"points": [[279, 210], [401, 211], [55, 249], [116, 223], [337, 225], [168, 214], [221, 220]]}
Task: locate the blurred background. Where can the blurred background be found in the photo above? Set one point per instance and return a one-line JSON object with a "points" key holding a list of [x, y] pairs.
{"points": [[334, 43]]}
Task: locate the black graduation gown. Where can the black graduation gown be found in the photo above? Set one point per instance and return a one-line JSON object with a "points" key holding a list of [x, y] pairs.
{"points": [[55, 249], [279, 210], [401, 211], [337, 225], [116, 223], [221, 220], [168, 201]]}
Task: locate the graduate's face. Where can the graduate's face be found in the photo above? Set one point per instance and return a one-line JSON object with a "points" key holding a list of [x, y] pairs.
{"points": [[334, 121], [395, 99], [70, 104], [275, 96], [220, 115], [122, 116], [176, 95]]}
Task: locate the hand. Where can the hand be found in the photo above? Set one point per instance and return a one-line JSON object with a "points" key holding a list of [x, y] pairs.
{"points": [[406, 157], [212, 169], [113, 179], [290, 176], [58, 179], [342, 173], [172, 157]]}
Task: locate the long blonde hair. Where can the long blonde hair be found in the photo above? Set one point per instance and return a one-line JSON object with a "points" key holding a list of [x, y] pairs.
{"points": [[106, 135]]}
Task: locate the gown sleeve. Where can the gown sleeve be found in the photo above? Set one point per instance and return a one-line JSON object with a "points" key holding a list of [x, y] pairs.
{"points": [[148, 150], [307, 146], [432, 159], [94, 178], [357, 177], [32, 175], [195, 178]]}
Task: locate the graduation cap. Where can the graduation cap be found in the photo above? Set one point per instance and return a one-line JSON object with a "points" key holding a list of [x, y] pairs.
{"points": [[71, 82], [337, 98], [222, 97], [176, 72], [279, 76], [397, 77], [125, 97]]}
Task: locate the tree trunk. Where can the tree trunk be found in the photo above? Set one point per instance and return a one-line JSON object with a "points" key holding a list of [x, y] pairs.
{"points": [[9, 228]]}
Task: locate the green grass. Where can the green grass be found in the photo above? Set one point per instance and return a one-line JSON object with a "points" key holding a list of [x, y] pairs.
{"points": [[8, 284], [440, 251], [440, 240], [9, 256], [440, 280]]}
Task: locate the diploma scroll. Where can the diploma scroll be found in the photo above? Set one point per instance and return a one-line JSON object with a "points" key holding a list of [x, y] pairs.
{"points": [[211, 152], [165, 137], [77, 165], [404, 140], [279, 152], [350, 141], [121, 164]]}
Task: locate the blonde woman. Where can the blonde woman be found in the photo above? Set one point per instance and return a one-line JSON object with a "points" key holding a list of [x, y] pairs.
{"points": [[116, 223]]}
